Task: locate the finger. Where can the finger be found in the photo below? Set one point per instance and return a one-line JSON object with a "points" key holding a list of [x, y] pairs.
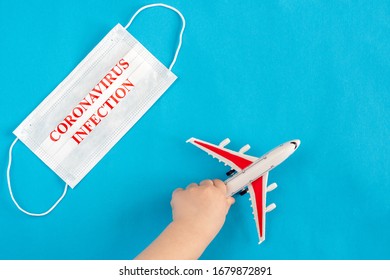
{"points": [[174, 195], [231, 200], [191, 186], [177, 190], [220, 185], [206, 182]]}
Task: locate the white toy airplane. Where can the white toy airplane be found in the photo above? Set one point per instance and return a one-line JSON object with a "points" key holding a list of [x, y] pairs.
{"points": [[251, 172]]}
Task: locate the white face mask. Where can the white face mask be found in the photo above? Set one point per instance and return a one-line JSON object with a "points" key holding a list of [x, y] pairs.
{"points": [[99, 101]]}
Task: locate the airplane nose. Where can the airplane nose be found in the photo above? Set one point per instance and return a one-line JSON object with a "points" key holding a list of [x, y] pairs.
{"points": [[296, 142]]}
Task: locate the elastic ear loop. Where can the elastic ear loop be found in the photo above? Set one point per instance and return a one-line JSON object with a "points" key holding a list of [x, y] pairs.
{"points": [[182, 28], [12, 195]]}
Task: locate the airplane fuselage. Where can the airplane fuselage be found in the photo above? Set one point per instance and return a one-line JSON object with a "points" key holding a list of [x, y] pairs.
{"points": [[257, 169]]}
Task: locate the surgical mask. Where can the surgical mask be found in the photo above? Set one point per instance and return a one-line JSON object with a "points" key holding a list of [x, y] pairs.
{"points": [[96, 104]]}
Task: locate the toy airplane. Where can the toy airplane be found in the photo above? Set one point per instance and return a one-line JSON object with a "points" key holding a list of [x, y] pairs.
{"points": [[249, 173]]}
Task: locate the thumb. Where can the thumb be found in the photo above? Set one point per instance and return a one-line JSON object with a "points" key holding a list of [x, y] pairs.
{"points": [[230, 201]]}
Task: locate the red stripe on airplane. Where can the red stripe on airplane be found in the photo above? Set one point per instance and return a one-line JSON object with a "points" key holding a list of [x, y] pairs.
{"points": [[237, 160], [258, 190]]}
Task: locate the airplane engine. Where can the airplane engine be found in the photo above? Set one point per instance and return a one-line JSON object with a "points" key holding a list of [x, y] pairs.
{"points": [[271, 187], [244, 149], [270, 207], [224, 142]]}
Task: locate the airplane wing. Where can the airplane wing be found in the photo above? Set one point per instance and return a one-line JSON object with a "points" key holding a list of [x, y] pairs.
{"points": [[257, 189], [236, 160], [258, 192]]}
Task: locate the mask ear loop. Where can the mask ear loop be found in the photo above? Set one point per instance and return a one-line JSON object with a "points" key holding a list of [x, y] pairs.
{"points": [[12, 195], [182, 28]]}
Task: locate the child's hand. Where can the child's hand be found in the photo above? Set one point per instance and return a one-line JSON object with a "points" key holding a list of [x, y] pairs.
{"points": [[201, 208], [198, 215]]}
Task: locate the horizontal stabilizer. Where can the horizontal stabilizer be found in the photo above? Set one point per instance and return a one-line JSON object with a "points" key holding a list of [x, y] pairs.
{"points": [[270, 207], [271, 187]]}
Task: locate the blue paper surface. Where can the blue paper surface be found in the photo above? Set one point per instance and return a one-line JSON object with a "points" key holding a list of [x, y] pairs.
{"points": [[258, 72]]}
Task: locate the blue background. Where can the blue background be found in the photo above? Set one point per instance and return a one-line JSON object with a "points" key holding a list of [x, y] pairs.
{"points": [[261, 72]]}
